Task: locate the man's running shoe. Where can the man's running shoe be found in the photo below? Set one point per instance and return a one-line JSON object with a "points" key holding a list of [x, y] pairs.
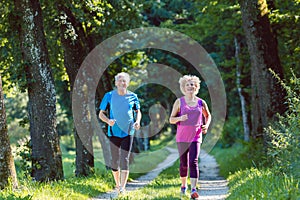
{"points": [[122, 191]]}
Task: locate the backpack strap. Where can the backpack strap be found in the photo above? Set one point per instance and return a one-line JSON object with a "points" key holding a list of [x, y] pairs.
{"points": [[200, 102]]}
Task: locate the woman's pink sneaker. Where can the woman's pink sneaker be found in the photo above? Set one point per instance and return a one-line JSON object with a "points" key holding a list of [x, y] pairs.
{"points": [[194, 194]]}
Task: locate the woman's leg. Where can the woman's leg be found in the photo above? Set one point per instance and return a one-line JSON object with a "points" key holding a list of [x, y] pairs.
{"points": [[183, 151], [193, 163]]}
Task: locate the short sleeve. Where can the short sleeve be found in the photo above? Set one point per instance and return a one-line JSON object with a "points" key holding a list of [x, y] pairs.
{"points": [[136, 103], [105, 101]]}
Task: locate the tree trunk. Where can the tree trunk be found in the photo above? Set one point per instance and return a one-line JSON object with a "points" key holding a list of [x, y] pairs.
{"points": [[104, 85], [7, 165], [76, 48], [74, 53], [239, 88], [267, 94], [46, 154]]}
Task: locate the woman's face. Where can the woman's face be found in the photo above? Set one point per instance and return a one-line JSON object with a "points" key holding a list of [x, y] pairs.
{"points": [[121, 83], [190, 87]]}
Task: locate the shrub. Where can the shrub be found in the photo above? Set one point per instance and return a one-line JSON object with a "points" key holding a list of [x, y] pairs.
{"points": [[25, 154], [284, 149]]}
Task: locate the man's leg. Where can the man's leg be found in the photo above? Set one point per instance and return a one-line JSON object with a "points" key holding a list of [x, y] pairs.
{"points": [[126, 146], [124, 178], [116, 175], [115, 148]]}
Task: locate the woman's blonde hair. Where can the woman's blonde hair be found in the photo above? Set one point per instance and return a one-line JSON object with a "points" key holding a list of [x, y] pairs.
{"points": [[123, 74], [183, 80]]}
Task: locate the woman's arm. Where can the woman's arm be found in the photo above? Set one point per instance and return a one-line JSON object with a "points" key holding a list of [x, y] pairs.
{"points": [[207, 117], [176, 107]]}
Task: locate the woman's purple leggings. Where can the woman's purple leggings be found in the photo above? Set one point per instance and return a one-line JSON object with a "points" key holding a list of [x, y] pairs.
{"points": [[189, 153]]}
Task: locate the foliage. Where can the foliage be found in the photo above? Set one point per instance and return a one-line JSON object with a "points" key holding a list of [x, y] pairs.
{"points": [[284, 149], [281, 179], [262, 184], [178, 11], [25, 157], [215, 25], [232, 132], [285, 22], [16, 112]]}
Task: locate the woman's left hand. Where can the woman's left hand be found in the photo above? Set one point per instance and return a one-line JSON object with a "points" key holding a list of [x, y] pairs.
{"points": [[204, 129]]}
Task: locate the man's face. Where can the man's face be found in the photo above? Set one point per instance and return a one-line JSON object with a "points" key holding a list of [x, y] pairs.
{"points": [[122, 83]]}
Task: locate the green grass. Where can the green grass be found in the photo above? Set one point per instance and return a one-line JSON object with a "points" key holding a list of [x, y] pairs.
{"points": [[245, 182], [248, 180], [229, 159], [86, 187], [165, 139], [146, 162], [262, 184], [235, 158], [72, 188]]}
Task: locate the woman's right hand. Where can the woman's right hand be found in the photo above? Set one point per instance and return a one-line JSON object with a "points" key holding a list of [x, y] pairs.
{"points": [[183, 117]]}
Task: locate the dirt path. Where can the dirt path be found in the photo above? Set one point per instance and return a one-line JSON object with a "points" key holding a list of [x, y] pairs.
{"points": [[212, 187]]}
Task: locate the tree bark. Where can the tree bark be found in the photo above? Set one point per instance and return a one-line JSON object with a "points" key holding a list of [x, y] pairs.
{"points": [[267, 94], [46, 153], [104, 85], [76, 48], [239, 88], [74, 53], [7, 165]]}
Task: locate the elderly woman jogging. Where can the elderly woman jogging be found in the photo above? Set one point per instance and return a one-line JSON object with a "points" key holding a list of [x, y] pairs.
{"points": [[188, 112]]}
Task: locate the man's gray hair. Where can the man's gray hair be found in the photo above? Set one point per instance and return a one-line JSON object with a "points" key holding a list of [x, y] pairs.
{"points": [[122, 74]]}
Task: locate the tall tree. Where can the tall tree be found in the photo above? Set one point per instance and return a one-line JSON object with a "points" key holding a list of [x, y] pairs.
{"points": [[267, 93], [77, 41], [7, 166], [46, 153], [75, 49], [76, 46], [240, 91], [80, 33]]}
